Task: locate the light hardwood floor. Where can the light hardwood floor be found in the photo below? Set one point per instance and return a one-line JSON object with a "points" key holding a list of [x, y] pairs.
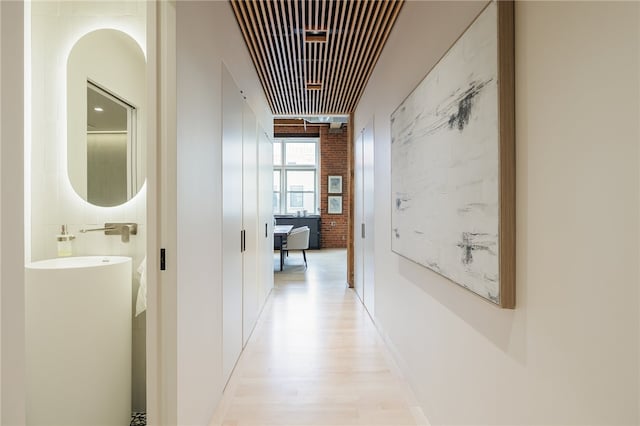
{"points": [[315, 357]]}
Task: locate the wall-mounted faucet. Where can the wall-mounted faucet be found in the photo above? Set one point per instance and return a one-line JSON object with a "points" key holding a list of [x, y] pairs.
{"points": [[122, 229]]}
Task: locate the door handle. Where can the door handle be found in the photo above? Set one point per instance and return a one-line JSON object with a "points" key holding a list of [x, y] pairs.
{"points": [[362, 230]]}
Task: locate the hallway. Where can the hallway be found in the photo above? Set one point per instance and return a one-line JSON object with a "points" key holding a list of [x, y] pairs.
{"points": [[315, 357]]}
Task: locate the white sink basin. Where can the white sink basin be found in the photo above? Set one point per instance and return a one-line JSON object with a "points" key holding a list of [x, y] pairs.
{"points": [[77, 262], [78, 341]]}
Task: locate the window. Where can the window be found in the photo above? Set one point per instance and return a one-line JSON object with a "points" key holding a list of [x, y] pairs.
{"points": [[276, 191], [295, 176]]}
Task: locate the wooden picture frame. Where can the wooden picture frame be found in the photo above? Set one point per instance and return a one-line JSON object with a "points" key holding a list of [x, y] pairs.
{"points": [[334, 204], [334, 184], [453, 162]]}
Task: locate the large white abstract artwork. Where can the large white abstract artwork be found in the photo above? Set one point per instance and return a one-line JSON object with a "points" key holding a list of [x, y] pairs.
{"points": [[445, 164]]}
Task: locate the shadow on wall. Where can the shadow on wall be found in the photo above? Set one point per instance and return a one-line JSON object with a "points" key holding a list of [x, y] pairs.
{"points": [[505, 328]]}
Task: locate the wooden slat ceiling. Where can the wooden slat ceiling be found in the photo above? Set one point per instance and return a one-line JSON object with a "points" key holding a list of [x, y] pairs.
{"points": [[315, 57]]}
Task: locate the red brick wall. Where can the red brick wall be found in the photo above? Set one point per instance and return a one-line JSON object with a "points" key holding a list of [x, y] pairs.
{"points": [[333, 162]]}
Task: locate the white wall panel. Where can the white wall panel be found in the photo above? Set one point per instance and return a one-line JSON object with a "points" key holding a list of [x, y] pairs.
{"points": [[265, 208], [358, 209], [232, 181], [368, 206], [364, 244], [12, 355], [199, 221], [250, 223]]}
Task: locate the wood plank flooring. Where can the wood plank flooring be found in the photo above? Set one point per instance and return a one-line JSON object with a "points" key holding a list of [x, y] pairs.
{"points": [[315, 357]]}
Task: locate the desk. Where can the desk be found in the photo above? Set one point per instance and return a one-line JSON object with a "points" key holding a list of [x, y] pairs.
{"points": [[312, 221], [281, 231]]}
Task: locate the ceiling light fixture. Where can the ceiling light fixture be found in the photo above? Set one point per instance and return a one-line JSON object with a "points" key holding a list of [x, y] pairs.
{"points": [[98, 109], [315, 36], [314, 86]]}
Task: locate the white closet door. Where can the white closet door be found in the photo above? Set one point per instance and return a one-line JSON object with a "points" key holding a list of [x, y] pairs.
{"points": [[250, 223], [232, 268], [368, 194], [358, 218], [265, 207], [364, 218]]}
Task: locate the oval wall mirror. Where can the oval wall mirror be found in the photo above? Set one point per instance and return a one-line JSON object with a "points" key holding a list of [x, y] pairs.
{"points": [[106, 94]]}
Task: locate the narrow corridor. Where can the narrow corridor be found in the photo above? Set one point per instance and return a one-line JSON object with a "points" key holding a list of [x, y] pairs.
{"points": [[315, 357]]}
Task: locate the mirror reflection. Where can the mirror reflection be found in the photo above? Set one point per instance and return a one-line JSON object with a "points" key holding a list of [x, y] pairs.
{"points": [[111, 148], [106, 93]]}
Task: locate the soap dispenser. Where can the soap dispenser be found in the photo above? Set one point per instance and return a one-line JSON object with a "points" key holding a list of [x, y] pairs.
{"points": [[65, 246]]}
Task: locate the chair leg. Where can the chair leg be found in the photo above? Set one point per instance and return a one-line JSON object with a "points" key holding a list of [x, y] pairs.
{"points": [[304, 255]]}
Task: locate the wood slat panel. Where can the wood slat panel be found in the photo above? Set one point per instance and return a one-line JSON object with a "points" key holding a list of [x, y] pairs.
{"points": [[372, 58], [333, 26], [280, 47], [266, 41], [301, 18], [365, 34], [257, 61], [349, 32], [339, 48], [295, 41], [274, 31]]}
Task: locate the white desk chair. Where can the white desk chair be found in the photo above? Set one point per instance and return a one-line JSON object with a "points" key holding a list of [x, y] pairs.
{"points": [[298, 239]]}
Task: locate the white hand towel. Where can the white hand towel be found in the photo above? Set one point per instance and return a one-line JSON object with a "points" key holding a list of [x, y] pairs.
{"points": [[141, 299]]}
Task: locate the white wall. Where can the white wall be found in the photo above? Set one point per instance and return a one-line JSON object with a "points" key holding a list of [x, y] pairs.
{"points": [[198, 217], [207, 36], [12, 404], [569, 352], [56, 26]]}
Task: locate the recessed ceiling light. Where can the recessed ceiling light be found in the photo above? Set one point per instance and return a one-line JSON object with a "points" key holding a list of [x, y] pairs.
{"points": [[98, 109], [315, 36]]}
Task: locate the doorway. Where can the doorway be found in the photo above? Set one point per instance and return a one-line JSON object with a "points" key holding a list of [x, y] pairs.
{"points": [[364, 216]]}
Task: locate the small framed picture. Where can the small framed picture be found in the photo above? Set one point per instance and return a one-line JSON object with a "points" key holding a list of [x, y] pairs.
{"points": [[335, 185], [335, 204]]}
